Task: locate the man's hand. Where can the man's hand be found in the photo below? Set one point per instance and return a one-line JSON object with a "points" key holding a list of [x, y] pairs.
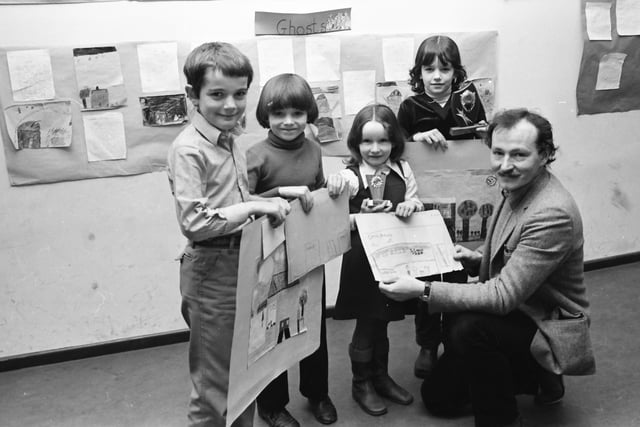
{"points": [[432, 137], [467, 257], [402, 289], [335, 184], [300, 192]]}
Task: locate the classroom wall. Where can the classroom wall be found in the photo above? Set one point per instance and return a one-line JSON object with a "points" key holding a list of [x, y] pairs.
{"points": [[93, 261]]}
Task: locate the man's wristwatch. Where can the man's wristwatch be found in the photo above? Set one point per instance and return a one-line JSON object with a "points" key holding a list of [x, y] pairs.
{"points": [[427, 291]]}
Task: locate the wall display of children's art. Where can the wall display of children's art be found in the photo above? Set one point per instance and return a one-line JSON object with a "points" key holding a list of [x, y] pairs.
{"points": [[609, 80], [125, 102], [88, 107]]}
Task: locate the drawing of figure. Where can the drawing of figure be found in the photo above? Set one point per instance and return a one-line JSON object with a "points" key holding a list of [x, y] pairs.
{"points": [[302, 300], [284, 332], [323, 104], [29, 135], [84, 94], [486, 210], [394, 99], [466, 210]]}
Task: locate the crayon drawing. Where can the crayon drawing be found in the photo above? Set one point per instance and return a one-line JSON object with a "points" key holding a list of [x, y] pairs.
{"points": [[99, 78], [40, 125], [163, 110]]}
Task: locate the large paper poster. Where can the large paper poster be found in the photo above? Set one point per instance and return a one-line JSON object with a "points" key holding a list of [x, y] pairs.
{"points": [[418, 246], [459, 184], [278, 320]]}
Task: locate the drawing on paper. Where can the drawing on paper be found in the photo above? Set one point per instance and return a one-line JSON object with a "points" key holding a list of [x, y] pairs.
{"points": [[41, 125], [277, 307], [163, 110], [392, 93], [466, 199], [31, 75], [99, 78], [486, 92], [418, 246], [329, 113]]}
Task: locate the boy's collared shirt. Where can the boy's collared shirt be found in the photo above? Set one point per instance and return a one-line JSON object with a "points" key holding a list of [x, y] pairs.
{"points": [[208, 178]]}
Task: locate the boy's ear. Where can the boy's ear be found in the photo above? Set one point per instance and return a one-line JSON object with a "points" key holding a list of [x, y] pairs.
{"points": [[191, 94]]}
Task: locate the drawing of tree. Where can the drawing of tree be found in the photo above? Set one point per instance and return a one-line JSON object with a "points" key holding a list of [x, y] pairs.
{"points": [[84, 94], [302, 301]]}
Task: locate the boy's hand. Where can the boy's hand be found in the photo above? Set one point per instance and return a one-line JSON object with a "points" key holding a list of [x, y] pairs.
{"points": [[298, 192], [405, 209], [335, 184], [432, 137], [276, 209], [368, 207]]}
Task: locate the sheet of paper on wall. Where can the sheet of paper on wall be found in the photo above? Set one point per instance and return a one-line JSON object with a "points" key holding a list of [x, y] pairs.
{"points": [[322, 59], [272, 237], [418, 246], [31, 75], [159, 67], [277, 322], [104, 136], [39, 125], [275, 56], [610, 71], [318, 236], [163, 110], [487, 93], [99, 78], [329, 122], [466, 198], [397, 56], [598, 20], [392, 93], [359, 89], [628, 17]]}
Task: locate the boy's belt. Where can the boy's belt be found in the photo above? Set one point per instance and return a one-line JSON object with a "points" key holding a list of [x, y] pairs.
{"points": [[230, 241]]}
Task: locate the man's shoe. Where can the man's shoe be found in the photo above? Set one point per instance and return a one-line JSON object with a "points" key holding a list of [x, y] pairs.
{"points": [[324, 410], [278, 418], [425, 362], [550, 390]]}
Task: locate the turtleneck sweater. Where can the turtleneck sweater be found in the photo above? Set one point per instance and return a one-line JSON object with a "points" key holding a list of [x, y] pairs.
{"points": [[274, 163]]}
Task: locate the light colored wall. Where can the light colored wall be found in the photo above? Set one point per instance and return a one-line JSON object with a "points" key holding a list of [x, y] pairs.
{"points": [[92, 261]]}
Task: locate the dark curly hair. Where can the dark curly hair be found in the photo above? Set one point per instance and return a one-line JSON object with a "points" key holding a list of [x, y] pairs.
{"points": [[447, 52]]}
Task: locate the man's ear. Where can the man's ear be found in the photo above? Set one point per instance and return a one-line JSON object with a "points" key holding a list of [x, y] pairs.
{"points": [[191, 94]]}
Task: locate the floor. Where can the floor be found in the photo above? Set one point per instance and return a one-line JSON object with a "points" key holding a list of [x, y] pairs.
{"points": [[150, 387]]}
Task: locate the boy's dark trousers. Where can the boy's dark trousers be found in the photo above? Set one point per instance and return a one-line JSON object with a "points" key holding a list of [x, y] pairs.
{"points": [[314, 374]]}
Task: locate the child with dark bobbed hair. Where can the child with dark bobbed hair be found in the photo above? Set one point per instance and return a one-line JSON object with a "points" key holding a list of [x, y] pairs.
{"points": [[289, 165]]}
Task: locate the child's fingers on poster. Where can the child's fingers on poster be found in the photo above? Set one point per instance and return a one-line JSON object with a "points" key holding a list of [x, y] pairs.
{"points": [[307, 201], [335, 184]]}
